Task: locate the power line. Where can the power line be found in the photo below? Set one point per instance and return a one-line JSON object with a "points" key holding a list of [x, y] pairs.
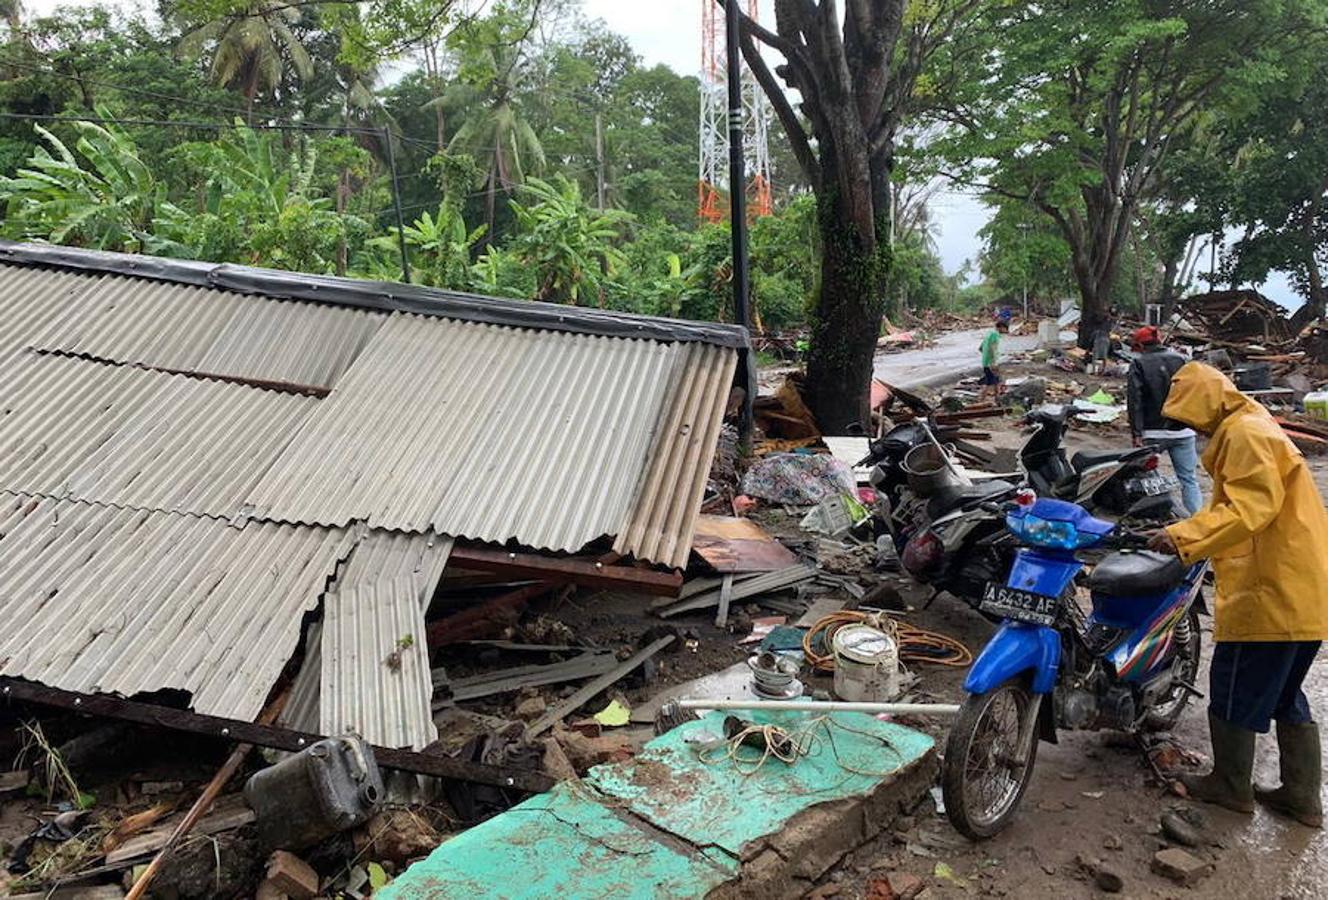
{"points": [[165, 123]]}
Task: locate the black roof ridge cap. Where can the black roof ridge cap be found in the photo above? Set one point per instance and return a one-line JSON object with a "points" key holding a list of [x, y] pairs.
{"points": [[380, 296]]}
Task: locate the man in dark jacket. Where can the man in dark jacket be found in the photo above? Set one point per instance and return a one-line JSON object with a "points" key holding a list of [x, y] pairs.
{"points": [[1146, 391]]}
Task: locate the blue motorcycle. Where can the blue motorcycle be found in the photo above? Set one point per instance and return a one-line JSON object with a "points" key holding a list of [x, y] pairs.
{"points": [[1128, 663]]}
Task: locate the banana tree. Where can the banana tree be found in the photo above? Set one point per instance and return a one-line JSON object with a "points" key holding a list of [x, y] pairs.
{"points": [[100, 196], [571, 247]]}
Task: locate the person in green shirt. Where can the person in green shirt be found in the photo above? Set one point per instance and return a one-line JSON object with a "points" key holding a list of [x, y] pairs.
{"points": [[991, 355]]}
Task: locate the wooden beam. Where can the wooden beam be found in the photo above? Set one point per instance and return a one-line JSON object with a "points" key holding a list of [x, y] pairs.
{"points": [[266, 735], [603, 682], [567, 570], [483, 620]]}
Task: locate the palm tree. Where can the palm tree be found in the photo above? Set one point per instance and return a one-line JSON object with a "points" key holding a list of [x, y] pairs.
{"points": [[494, 133], [252, 49]]}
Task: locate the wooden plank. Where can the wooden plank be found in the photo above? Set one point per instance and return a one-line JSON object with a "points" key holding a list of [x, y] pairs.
{"points": [[730, 544], [751, 587], [559, 712], [725, 598], [225, 819], [271, 736], [588, 573], [504, 681], [483, 619]]}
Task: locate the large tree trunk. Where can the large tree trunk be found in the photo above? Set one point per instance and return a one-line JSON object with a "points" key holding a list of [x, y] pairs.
{"points": [[847, 321]]}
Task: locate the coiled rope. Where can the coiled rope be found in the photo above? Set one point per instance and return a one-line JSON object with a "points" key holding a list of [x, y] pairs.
{"points": [[916, 645]]}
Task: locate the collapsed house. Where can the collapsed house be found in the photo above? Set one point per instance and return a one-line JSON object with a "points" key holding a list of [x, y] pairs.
{"points": [[208, 471]]}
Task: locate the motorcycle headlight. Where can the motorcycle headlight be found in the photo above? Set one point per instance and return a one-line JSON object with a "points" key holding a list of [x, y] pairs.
{"points": [[1047, 533]]}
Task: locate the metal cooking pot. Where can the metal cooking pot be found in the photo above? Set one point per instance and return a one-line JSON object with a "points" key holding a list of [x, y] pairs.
{"points": [[929, 469]]}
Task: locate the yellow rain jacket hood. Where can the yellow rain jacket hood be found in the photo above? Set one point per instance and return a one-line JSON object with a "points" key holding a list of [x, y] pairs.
{"points": [[1265, 529]]}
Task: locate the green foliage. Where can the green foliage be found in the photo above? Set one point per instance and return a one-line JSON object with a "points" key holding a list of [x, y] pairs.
{"points": [[257, 206], [253, 45], [103, 197], [570, 247]]}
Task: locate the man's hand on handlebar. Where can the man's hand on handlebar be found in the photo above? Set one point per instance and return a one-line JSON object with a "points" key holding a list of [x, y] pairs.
{"points": [[1160, 542]]}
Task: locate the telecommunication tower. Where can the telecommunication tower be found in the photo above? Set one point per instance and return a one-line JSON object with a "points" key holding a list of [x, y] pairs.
{"points": [[713, 180]]}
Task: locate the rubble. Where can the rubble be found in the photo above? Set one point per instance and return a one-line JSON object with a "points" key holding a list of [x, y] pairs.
{"points": [[1180, 866], [292, 876]]}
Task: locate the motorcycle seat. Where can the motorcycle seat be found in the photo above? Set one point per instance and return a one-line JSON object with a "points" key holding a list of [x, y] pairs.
{"points": [[952, 497], [1086, 459], [1140, 573]]}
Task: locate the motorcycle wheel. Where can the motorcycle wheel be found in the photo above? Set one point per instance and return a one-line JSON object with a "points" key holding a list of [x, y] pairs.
{"points": [[980, 782], [1165, 715]]}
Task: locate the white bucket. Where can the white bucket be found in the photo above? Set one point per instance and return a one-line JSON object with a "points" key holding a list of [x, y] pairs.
{"points": [[866, 664]]}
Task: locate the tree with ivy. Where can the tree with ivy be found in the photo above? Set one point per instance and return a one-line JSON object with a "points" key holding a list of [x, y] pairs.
{"points": [[857, 77]]}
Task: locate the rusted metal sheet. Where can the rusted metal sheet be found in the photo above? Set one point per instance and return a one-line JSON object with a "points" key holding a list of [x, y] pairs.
{"points": [[731, 544], [501, 434], [120, 601], [123, 436], [183, 328], [662, 517]]}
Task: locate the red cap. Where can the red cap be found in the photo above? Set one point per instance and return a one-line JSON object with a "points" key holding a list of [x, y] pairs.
{"points": [[1147, 335]]}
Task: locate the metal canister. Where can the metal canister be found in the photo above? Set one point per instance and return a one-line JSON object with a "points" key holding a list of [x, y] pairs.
{"points": [[326, 788]]}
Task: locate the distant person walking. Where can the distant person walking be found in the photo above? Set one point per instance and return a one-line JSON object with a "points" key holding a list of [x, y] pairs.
{"points": [[1146, 391], [991, 356]]}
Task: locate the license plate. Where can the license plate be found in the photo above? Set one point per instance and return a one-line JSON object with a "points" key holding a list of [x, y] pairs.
{"points": [[1152, 485], [1020, 605]]}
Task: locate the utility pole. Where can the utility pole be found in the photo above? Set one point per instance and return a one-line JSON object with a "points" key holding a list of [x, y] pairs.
{"points": [[396, 202], [1024, 228], [738, 209], [599, 159]]}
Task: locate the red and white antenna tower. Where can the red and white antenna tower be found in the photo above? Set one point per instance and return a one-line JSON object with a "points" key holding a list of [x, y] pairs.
{"points": [[713, 179]]}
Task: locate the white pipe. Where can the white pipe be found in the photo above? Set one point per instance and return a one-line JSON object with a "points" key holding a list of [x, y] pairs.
{"points": [[898, 709]]}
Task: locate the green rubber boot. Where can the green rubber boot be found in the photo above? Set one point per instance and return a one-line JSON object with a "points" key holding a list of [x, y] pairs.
{"points": [[1301, 757], [1230, 783]]}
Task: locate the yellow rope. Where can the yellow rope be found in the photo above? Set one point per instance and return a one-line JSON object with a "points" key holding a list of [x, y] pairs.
{"points": [[916, 645]]}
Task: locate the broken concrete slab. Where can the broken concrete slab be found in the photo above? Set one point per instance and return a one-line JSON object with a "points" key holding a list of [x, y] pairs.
{"points": [[667, 824]]}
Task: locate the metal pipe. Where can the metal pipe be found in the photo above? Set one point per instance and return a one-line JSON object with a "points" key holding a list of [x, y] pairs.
{"points": [[898, 709]]}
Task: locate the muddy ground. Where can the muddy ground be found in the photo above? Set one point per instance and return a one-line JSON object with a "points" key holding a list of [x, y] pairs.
{"points": [[1093, 795]]}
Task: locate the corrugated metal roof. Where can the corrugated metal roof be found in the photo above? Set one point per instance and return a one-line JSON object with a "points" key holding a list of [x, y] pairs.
{"points": [[106, 600], [381, 557], [124, 436], [192, 329], [375, 677], [31, 299], [663, 515], [479, 431]]}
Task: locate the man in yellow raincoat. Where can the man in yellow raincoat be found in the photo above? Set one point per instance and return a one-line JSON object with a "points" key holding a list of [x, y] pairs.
{"points": [[1266, 532]]}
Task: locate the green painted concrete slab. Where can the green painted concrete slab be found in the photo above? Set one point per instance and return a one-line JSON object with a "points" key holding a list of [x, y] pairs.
{"points": [[715, 804], [559, 844], [569, 843]]}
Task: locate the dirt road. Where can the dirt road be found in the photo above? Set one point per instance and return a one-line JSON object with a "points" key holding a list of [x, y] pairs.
{"points": [[1092, 796], [954, 355]]}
